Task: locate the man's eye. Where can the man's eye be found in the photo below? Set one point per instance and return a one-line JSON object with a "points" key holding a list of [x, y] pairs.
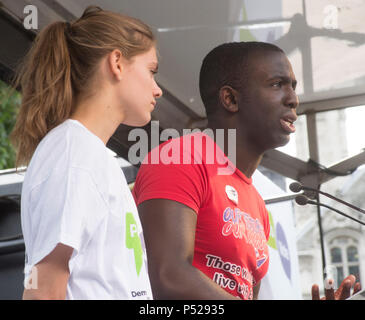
{"points": [[276, 84], [153, 72]]}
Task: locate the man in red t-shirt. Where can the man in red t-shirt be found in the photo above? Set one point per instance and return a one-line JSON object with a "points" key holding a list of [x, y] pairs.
{"points": [[206, 228], [232, 224], [205, 231]]}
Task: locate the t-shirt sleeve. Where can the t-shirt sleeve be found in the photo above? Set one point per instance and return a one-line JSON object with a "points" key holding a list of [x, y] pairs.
{"points": [[266, 220], [184, 183], [65, 208]]}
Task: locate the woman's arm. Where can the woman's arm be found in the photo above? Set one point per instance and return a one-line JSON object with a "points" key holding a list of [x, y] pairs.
{"points": [[52, 273]]}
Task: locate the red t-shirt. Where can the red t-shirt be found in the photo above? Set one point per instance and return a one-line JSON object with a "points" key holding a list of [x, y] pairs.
{"points": [[232, 221]]}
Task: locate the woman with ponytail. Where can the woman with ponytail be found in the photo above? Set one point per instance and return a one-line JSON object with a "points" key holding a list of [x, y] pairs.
{"points": [[81, 228]]}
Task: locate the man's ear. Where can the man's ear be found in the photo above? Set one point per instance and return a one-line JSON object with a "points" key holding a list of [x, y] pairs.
{"points": [[228, 97], [115, 62]]}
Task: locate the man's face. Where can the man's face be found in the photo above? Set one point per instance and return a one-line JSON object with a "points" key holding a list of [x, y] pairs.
{"points": [[268, 102]]}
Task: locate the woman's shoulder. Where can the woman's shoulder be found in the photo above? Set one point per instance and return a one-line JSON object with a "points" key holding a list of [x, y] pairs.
{"points": [[69, 145]]}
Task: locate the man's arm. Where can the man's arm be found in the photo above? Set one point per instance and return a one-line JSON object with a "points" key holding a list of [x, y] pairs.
{"points": [[169, 232], [256, 290], [52, 276]]}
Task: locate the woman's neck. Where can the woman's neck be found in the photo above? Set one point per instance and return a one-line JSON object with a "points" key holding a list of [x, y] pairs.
{"points": [[98, 116]]}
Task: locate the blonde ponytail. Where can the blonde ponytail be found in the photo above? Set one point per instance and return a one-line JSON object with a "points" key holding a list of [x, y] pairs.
{"points": [[45, 80]]}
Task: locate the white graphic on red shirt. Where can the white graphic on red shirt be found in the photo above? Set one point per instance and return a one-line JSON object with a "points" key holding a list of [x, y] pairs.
{"points": [[242, 226], [224, 272]]}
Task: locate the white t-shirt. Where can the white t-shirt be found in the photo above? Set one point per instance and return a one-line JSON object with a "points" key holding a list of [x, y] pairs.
{"points": [[75, 193]]}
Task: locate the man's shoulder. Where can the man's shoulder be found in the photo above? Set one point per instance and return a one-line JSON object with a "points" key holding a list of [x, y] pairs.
{"points": [[196, 145], [195, 136]]}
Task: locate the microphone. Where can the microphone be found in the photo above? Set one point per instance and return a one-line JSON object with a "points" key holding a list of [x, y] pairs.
{"points": [[302, 200], [296, 187]]}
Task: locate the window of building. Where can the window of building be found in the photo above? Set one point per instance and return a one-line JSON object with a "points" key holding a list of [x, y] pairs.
{"points": [[345, 257]]}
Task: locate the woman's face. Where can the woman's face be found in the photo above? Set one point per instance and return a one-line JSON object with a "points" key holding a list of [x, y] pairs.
{"points": [[138, 88]]}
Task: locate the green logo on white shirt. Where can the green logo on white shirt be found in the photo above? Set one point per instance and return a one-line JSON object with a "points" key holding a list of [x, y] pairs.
{"points": [[133, 241]]}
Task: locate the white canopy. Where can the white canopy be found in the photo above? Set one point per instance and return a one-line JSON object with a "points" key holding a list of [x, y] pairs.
{"points": [[324, 40]]}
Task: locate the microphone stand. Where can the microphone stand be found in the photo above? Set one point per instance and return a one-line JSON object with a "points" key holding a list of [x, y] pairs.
{"points": [[335, 210], [316, 191], [319, 217]]}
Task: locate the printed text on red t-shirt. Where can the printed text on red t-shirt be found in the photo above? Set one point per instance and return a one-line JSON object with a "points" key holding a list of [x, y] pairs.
{"points": [[242, 289]]}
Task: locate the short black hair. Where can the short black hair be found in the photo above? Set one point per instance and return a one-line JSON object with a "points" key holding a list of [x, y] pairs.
{"points": [[227, 65]]}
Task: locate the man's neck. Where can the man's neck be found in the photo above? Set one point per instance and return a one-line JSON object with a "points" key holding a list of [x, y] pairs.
{"points": [[247, 157], [247, 163]]}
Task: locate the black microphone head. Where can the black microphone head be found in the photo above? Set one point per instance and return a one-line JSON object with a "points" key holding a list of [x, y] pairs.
{"points": [[295, 187], [302, 200]]}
